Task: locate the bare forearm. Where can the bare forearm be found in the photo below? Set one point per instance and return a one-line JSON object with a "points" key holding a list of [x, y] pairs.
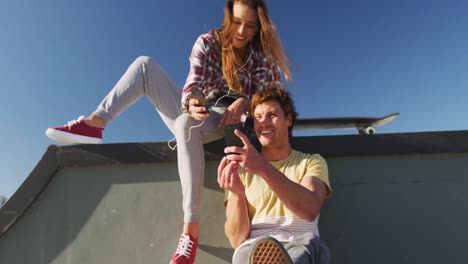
{"points": [[237, 226]]}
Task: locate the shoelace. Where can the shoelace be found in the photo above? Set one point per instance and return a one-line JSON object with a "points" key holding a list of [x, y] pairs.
{"points": [[70, 123], [185, 246]]}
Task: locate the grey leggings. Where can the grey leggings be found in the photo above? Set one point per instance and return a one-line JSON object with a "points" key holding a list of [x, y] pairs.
{"points": [[144, 77], [305, 249]]}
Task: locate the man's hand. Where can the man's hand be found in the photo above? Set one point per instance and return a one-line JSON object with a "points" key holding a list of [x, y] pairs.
{"points": [[228, 176], [233, 113], [247, 157], [237, 226], [196, 111]]}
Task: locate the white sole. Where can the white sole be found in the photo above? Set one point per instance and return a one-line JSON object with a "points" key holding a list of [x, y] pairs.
{"points": [[69, 138]]}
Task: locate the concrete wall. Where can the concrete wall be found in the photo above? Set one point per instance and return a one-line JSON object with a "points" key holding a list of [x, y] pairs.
{"points": [[114, 214], [384, 209], [398, 209]]}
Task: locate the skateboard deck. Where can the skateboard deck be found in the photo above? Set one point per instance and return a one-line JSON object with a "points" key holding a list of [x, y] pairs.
{"points": [[364, 125]]}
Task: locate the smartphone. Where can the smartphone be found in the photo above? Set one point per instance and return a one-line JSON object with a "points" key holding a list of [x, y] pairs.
{"points": [[197, 94], [231, 138]]}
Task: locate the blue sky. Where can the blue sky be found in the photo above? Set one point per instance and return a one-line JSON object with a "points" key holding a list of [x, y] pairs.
{"points": [[58, 59]]}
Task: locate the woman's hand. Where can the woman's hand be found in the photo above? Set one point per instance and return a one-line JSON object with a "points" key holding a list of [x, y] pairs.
{"points": [[233, 113], [196, 111]]}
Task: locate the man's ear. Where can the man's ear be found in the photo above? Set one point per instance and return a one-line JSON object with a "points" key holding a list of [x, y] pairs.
{"points": [[289, 120]]}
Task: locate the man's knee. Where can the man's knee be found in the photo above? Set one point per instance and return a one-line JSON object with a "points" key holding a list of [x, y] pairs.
{"points": [[241, 255]]}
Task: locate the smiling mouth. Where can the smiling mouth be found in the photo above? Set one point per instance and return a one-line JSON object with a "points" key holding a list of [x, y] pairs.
{"points": [[266, 132]]}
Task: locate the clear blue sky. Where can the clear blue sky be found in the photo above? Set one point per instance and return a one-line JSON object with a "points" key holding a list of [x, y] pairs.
{"points": [[58, 59]]}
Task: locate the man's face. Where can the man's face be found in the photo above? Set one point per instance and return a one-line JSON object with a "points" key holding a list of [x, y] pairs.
{"points": [[271, 126]]}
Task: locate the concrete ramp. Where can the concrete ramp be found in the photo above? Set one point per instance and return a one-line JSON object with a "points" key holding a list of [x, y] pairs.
{"points": [[398, 198], [100, 206]]}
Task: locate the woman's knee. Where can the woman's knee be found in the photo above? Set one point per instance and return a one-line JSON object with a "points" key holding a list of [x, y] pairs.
{"points": [[143, 60], [150, 66], [182, 124], [147, 62]]}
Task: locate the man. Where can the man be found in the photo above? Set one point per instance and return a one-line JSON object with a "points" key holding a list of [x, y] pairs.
{"points": [[275, 195]]}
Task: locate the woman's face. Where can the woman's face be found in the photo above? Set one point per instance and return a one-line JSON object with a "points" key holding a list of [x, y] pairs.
{"points": [[244, 25]]}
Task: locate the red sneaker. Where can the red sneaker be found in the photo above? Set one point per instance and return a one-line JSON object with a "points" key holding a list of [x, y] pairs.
{"points": [[76, 132], [186, 250]]}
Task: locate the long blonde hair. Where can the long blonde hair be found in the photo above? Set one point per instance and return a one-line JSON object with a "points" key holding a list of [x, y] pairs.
{"points": [[266, 41]]}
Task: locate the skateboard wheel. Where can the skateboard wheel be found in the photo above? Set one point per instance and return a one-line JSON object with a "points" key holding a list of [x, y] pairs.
{"points": [[370, 130]]}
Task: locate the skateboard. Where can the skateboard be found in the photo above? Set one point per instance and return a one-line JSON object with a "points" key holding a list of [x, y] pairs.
{"points": [[364, 125]]}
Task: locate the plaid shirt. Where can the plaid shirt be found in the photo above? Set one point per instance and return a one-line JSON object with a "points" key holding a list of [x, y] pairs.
{"points": [[206, 72]]}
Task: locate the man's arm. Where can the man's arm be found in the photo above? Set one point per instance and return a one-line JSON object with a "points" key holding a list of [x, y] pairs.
{"points": [[237, 225], [304, 199]]}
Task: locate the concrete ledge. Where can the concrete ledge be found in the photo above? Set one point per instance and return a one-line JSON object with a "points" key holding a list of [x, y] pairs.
{"points": [[394, 195]]}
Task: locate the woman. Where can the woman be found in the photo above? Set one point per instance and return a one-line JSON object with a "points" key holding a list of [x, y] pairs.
{"points": [[227, 65]]}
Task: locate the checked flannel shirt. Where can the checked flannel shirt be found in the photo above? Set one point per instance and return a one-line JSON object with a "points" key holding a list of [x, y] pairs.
{"points": [[206, 73]]}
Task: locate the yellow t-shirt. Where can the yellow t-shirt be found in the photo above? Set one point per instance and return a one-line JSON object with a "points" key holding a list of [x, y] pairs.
{"points": [[268, 215]]}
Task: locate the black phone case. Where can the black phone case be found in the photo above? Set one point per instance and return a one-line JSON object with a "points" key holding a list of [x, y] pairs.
{"points": [[230, 137]]}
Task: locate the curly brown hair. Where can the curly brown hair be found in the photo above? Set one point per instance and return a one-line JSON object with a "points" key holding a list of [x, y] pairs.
{"points": [[280, 95]]}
